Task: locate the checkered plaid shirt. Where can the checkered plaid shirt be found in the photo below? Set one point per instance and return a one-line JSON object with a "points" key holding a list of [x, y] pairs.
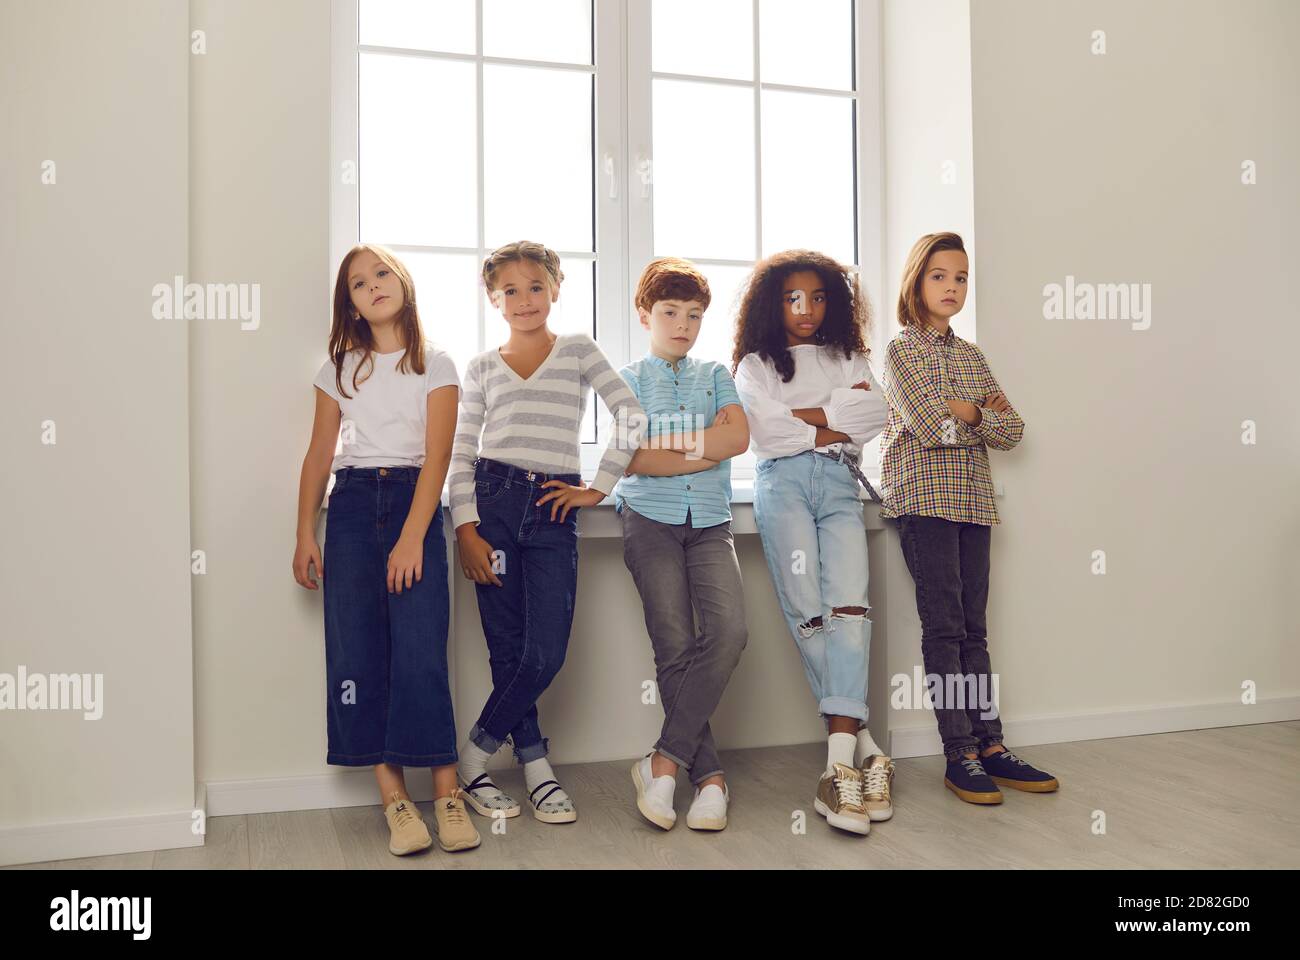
{"points": [[932, 463]]}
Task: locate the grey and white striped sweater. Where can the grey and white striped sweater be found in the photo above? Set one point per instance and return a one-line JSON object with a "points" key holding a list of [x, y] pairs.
{"points": [[536, 423]]}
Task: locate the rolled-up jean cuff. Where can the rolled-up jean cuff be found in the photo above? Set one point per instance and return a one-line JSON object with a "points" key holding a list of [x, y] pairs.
{"points": [[697, 780], [534, 751], [670, 755], [990, 741], [842, 707], [484, 740], [959, 751]]}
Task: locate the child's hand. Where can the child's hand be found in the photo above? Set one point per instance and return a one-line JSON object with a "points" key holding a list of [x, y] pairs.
{"points": [[997, 402], [475, 556], [965, 411], [862, 385], [565, 497], [307, 553], [405, 561]]}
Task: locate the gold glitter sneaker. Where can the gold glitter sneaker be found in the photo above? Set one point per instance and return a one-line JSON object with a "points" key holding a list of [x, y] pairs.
{"points": [[839, 799], [877, 779]]}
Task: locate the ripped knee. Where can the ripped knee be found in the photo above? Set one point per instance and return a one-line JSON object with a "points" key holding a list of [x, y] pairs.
{"points": [[809, 627], [849, 613]]}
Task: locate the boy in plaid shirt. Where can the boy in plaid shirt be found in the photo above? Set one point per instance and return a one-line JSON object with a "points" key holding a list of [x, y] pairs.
{"points": [[946, 410]]}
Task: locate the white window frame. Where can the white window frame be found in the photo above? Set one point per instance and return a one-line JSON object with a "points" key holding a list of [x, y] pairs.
{"points": [[622, 145]]}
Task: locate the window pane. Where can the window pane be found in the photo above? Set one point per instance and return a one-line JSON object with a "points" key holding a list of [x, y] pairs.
{"points": [[558, 30], [809, 43], [417, 153], [718, 331], [808, 173], [537, 156], [446, 290], [446, 26], [574, 312], [703, 170], [709, 39]]}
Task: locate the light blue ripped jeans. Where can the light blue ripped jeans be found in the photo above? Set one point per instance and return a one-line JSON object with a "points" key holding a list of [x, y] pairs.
{"points": [[810, 520]]}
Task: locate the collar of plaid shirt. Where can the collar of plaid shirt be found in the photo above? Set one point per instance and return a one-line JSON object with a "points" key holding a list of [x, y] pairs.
{"points": [[929, 333]]}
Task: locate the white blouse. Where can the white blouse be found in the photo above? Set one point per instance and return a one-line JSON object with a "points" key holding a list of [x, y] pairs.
{"points": [[822, 378]]}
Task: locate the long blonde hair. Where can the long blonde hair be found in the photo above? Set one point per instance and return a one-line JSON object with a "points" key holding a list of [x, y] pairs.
{"points": [[350, 331]]}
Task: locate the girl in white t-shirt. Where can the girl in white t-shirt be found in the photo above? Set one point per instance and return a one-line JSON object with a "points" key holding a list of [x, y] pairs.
{"points": [[386, 602], [812, 403]]}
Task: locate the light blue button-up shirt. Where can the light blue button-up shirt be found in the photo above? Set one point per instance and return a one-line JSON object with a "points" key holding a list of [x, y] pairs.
{"points": [[676, 401]]}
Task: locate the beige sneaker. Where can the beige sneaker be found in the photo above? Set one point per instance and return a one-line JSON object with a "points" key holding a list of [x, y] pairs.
{"points": [[877, 779], [455, 832], [406, 826], [839, 800]]}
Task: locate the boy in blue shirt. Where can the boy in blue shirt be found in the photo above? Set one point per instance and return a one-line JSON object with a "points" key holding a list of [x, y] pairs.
{"points": [[675, 502]]}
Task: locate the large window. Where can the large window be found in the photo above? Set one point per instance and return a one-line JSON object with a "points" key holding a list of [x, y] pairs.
{"points": [[613, 132]]}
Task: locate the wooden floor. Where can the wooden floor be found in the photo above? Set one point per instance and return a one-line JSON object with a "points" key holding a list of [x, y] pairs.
{"points": [[1221, 798]]}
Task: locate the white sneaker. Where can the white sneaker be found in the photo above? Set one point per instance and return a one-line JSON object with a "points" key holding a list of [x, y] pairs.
{"points": [[654, 795], [709, 808]]}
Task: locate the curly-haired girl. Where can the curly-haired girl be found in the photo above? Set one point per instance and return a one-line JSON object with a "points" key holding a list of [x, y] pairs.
{"points": [[812, 403]]}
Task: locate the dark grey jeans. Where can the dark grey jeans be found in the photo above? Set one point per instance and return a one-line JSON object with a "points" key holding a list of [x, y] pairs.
{"points": [[950, 567], [676, 568]]}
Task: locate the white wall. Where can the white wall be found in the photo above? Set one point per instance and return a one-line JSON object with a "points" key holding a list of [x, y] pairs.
{"points": [[1126, 168], [929, 183], [94, 572], [260, 199]]}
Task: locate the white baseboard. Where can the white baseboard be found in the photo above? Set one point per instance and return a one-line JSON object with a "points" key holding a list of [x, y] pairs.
{"points": [[351, 787], [101, 838], [923, 740], [341, 787]]}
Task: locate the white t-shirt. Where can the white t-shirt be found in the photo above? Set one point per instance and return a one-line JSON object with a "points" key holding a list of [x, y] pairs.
{"points": [[384, 421], [823, 377]]}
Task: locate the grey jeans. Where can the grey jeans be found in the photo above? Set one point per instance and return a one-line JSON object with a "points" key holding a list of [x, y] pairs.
{"points": [[950, 567], [687, 576]]}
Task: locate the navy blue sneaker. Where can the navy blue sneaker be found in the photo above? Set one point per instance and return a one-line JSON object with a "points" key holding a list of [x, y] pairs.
{"points": [[1007, 769], [967, 779]]}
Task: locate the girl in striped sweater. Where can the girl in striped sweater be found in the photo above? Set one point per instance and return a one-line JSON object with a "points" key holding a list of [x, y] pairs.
{"points": [[515, 493]]}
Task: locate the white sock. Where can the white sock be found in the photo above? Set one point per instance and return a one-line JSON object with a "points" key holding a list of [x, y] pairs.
{"points": [[866, 748], [473, 764], [537, 772], [839, 749]]}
